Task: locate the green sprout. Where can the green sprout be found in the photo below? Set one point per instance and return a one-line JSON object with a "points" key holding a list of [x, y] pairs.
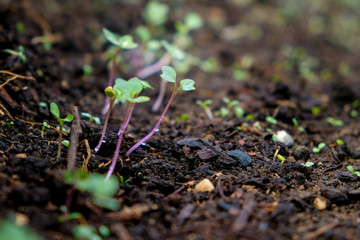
{"points": [[156, 13], [20, 53], [44, 126], [91, 118], [296, 125], [68, 216], [271, 120], [339, 142], [319, 147], [169, 75], [281, 158], [87, 70], [316, 110], [308, 164], [54, 109], [231, 105], [10, 124], [182, 117], [66, 143], [334, 122], [93, 183], [123, 181], [205, 105], [351, 169]]}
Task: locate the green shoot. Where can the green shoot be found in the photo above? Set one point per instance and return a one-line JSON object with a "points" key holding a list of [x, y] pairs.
{"points": [[339, 142], [271, 120], [20, 53], [123, 181], [351, 169], [231, 105], [281, 158], [308, 164], [45, 125], [205, 105], [91, 118], [54, 109], [316, 110], [169, 75], [319, 147], [66, 143], [334, 122]]}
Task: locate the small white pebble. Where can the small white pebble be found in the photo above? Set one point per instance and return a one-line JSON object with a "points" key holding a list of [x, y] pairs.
{"points": [[285, 138], [204, 186]]}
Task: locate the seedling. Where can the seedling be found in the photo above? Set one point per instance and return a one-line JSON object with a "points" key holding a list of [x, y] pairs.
{"points": [[89, 232], [316, 110], [101, 194], [66, 143], [351, 169], [308, 164], [169, 75], [205, 105], [339, 142], [10, 124], [54, 109], [123, 181], [91, 118], [20, 53], [281, 158], [271, 120], [319, 147], [296, 125], [122, 43], [231, 105], [334, 122], [126, 91], [182, 117], [45, 125]]}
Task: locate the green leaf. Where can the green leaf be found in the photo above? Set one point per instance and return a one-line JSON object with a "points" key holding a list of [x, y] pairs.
{"points": [[69, 118], [111, 37], [139, 99], [135, 86], [174, 51], [66, 143], [193, 21], [146, 85], [127, 42], [109, 92], [321, 145], [54, 109], [10, 230], [350, 168], [168, 74], [187, 85]]}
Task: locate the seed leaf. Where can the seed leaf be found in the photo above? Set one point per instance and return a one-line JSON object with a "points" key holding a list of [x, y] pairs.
{"points": [[69, 118], [187, 85], [54, 109], [127, 42], [168, 74], [111, 37]]}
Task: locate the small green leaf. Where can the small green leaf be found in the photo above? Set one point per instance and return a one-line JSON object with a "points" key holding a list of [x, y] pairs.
{"points": [[146, 85], [350, 168], [54, 109], [127, 42], [168, 74], [321, 145], [187, 85], [135, 86], [174, 51], [193, 21], [66, 143], [111, 37], [139, 99], [69, 118], [104, 231]]}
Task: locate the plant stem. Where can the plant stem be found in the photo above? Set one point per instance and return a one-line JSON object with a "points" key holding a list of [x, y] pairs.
{"points": [[209, 113], [147, 137], [118, 144], [110, 82], [154, 68], [97, 148], [59, 142]]}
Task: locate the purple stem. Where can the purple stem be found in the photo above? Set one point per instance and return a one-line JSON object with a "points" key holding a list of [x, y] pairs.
{"points": [[154, 68], [97, 148], [147, 137], [110, 82], [118, 144]]}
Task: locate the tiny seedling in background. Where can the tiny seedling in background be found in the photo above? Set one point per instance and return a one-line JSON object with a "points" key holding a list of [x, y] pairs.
{"points": [[351, 169], [124, 42], [231, 105], [308, 164], [316, 110], [123, 181], [169, 75], [54, 109], [334, 122], [20, 53], [296, 125], [11, 230], [91, 118], [10, 124], [339, 142], [66, 143], [318, 148], [271, 120], [205, 105], [44, 126]]}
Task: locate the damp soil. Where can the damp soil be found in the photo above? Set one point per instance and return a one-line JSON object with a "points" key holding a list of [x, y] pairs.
{"points": [[264, 200]]}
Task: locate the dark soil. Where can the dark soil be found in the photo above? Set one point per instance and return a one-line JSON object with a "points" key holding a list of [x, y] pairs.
{"points": [[265, 200]]}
